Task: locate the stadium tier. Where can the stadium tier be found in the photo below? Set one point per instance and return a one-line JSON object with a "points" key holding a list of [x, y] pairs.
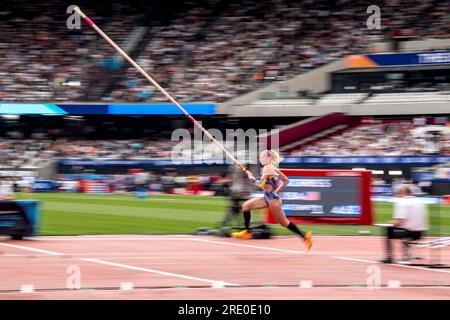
{"points": [[207, 50], [380, 139]]}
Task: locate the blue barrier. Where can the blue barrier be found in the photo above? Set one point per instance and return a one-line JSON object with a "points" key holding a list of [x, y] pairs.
{"points": [[20, 218], [32, 209]]}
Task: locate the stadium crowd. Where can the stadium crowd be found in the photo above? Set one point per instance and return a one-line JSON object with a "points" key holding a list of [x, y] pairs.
{"points": [[383, 139], [213, 50], [42, 60], [35, 152], [377, 140], [24, 153]]}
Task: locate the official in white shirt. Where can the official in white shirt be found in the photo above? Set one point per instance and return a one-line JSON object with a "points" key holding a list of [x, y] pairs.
{"points": [[410, 220]]}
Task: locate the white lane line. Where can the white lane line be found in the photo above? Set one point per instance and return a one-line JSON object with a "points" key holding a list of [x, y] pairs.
{"points": [[126, 266], [114, 239], [187, 237], [354, 259], [392, 264], [288, 237], [248, 246], [134, 255], [52, 253], [119, 265], [316, 254]]}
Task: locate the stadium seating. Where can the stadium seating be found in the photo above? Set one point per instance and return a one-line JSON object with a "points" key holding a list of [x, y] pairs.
{"points": [[341, 98], [212, 51], [392, 138], [378, 139], [284, 102], [408, 97]]}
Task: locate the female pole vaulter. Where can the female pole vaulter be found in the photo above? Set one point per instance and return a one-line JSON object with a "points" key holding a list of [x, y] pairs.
{"points": [[270, 172], [268, 183]]}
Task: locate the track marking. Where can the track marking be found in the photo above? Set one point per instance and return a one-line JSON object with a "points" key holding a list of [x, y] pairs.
{"points": [[333, 257], [119, 265], [52, 253], [133, 256], [354, 259], [394, 284], [289, 237], [392, 264], [249, 246], [126, 286], [305, 284], [27, 288], [116, 290], [176, 275]]}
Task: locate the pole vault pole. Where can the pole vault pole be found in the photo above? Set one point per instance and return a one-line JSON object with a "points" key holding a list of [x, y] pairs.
{"points": [[155, 84]]}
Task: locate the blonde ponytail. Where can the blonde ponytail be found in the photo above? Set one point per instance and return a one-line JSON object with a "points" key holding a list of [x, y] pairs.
{"points": [[276, 156]]}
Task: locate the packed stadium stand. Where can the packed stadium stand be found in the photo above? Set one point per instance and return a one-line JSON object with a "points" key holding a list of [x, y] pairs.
{"points": [[213, 51], [351, 137], [379, 139], [33, 152], [276, 40], [39, 56]]}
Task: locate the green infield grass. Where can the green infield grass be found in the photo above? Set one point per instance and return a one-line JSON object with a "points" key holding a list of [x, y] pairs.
{"points": [[75, 214]]}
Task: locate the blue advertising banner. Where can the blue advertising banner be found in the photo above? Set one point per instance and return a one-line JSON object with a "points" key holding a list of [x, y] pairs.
{"points": [[116, 109], [416, 58], [44, 185], [126, 163], [162, 109], [82, 109], [291, 160], [369, 160]]}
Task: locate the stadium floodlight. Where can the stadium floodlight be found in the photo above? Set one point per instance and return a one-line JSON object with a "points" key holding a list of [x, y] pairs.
{"points": [[156, 85]]}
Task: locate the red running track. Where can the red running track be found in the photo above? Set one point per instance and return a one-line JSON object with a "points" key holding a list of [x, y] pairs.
{"points": [[196, 267]]}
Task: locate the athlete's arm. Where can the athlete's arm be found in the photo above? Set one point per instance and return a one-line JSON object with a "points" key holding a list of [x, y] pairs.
{"points": [[260, 183], [284, 182]]}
